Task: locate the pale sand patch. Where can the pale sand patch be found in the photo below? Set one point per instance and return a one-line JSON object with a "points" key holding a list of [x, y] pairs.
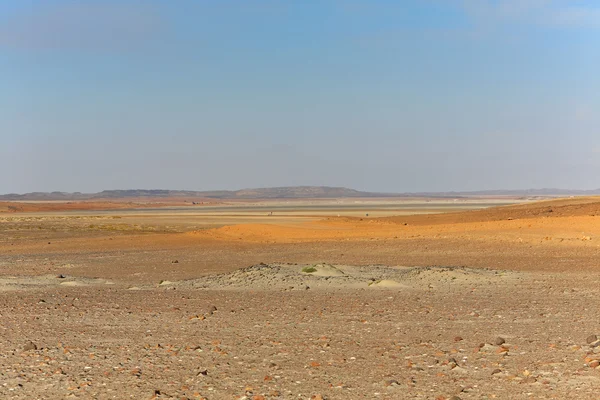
{"points": [[388, 284], [73, 283]]}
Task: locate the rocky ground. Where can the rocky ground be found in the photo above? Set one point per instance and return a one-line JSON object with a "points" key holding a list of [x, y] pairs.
{"points": [[440, 333]]}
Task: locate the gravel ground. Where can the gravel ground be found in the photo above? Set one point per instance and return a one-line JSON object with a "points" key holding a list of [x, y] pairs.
{"points": [[521, 336]]}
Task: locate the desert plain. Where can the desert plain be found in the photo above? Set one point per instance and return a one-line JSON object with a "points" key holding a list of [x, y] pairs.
{"points": [[301, 299]]}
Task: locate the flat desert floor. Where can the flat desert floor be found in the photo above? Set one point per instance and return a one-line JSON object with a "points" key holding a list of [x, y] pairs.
{"points": [[419, 299]]}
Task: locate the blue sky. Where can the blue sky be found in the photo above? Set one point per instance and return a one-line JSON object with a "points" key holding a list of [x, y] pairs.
{"points": [[423, 95]]}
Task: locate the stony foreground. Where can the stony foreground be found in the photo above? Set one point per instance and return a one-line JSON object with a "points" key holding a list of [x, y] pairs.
{"points": [[527, 337]]}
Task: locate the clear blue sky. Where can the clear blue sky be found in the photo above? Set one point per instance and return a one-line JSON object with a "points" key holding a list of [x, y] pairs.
{"points": [[382, 95]]}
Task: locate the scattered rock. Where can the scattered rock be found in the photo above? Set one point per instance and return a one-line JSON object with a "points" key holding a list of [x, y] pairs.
{"points": [[499, 341], [175, 262], [496, 371], [452, 362]]}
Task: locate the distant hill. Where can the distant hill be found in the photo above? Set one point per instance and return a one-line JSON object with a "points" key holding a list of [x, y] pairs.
{"points": [[291, 192]]}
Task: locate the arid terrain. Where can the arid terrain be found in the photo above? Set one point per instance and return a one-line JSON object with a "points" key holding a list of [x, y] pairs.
{"points": [[300, 299]]}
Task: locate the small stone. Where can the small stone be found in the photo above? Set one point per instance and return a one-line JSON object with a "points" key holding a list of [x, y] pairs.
{"points": [[175, 262], [61, 276], [318, 397], [496, 371], [594, 364], [499, 341], [488, 348], [29, 346], [458, 339], [590, 339], [212, 309], [454, 398]]}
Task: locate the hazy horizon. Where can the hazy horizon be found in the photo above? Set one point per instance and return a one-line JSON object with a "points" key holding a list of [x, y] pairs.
{"points": [[505, 190], [422, 96]]}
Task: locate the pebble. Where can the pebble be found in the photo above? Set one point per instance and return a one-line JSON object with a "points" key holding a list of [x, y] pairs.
{"points": [[488, 348], [590, 339], [499, 341], [29, 346]]}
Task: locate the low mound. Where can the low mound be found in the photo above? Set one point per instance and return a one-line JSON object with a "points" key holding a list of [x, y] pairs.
{"points": [[323, 276]]}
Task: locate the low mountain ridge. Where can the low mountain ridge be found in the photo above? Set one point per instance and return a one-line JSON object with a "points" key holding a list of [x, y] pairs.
{"points": [[292, 192]]}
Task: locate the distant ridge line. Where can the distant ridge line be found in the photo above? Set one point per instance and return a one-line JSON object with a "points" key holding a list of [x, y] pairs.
{"points": [[288, 192]]}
